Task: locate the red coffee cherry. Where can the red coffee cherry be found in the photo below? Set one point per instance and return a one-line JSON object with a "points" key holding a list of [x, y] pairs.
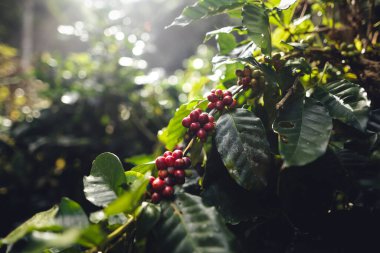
{"points": [[171, 170], [211, 105], [160, 163], [168, 192], [227, 93], [180, 181], [208, 127], [187, 162], [246, 80], [156, 197], [212, 97], [169, 160], [195, 126], [227, 100], [247, 71], [201, 134], [203, 118], [198, 110], [163, 174], [151, 179], [233, 104], [219, 105], [179, 163], [158, 184], [194, 116], [219, 93], [186, 122], [177, 154], [179, 174], [167, 153], [211, 119], [170, 181]]}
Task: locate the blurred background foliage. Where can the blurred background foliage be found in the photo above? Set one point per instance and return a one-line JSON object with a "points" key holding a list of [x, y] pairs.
{"points": [[103, 75]]}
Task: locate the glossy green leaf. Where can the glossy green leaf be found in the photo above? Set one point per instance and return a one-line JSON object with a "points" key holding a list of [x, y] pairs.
{"points": [[147, 219], [197, 153], [132, 176], [304, 128], [256, 20], [144, 168], [229, 198], [139, 159], [92, 236], [227, 30], [241, 141], [174, 132], [68, 214], [205, 8], [225, 43], [41, 241], [345, 101], [130, 200], [285, 4], [188, 226], [40, 221], [105, 181], [71, 215]]}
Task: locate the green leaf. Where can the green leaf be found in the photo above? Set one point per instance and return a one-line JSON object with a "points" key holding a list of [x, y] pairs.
{"points": [[233, 202], [92, 236], [225, 43], [187, 226], [285, 4], [68, 214], [132, 176], [139, 159], [227, 30], [304, 127], [40, 241], [197, 152], [147, 219], [40, 221], [144, 168], [174, 132], [105, 181], [205, 8], [130, 200], [345, 101], [241, 141], [71, 215], [299, 63], [256, 20]]}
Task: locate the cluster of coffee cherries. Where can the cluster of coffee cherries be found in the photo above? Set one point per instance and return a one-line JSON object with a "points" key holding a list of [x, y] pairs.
{"points": [[250, 77], [199, 123], [220, 99], [171, 171]]}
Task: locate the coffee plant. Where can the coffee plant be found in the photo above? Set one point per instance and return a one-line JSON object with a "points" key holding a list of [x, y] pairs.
{"points": [[282, 156]]}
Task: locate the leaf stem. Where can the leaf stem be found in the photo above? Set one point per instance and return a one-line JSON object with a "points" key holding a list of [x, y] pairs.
{"points": [[323, 73], [288, 94], [112, 236]]}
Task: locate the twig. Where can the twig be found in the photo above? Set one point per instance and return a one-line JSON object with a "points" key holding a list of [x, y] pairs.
{"points": [[288, 94], [112, 236], [189, 146], [370, 19], [304, 9], [323, 72]]}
